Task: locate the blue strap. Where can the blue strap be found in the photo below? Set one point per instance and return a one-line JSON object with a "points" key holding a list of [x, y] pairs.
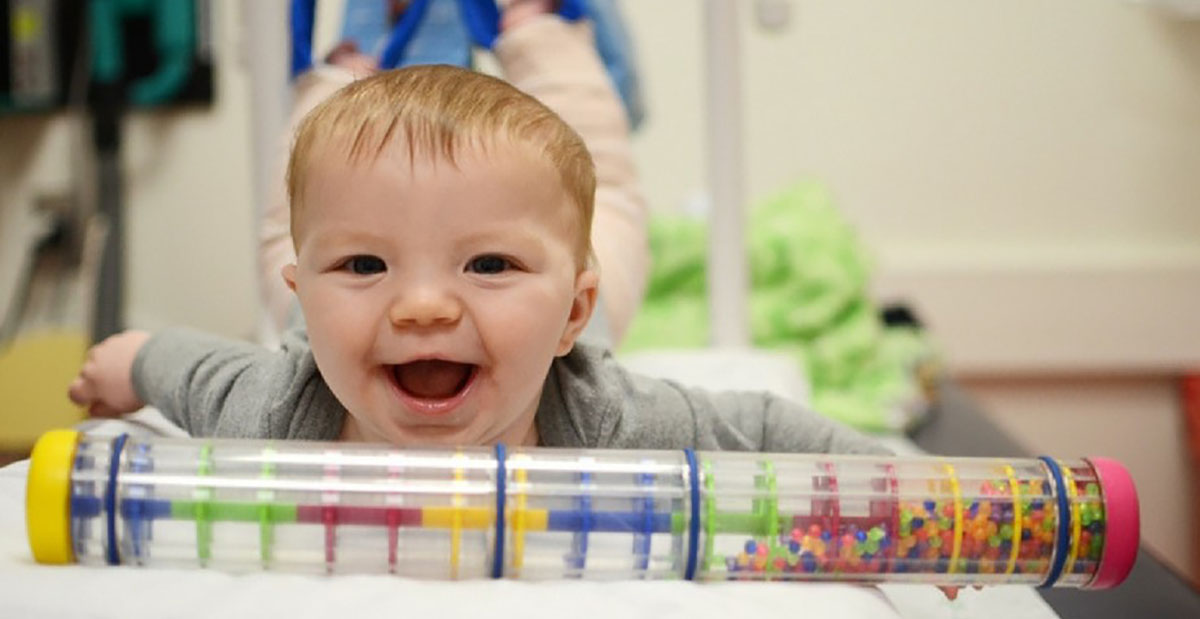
{"points": [[693, 547], [572, 10], [1064, 523], [302, 15], [482, 18], [110, 500], [501, 503], [402, 34]]}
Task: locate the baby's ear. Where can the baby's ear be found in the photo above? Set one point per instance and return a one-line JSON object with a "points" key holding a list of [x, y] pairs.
{"points": [[582, 307], [289, 275]]}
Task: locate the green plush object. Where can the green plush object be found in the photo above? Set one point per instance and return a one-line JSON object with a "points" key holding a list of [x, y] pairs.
{"points": [[809, 277]]}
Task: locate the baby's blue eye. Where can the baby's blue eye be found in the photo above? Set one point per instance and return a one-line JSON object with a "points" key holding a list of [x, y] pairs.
{"points": [[366, 265], [488, 265]]}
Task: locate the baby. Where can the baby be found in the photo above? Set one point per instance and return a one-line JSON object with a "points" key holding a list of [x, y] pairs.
{"points": [[441, 221]]}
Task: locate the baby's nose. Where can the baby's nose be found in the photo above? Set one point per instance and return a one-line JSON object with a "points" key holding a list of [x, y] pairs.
{"points": [[425, 308]]}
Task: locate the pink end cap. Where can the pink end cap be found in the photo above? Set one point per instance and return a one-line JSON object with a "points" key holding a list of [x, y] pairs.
{"points": [[1122, 525]]}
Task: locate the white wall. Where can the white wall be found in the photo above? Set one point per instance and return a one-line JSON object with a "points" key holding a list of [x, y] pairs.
{"points": [[1025, 170]]}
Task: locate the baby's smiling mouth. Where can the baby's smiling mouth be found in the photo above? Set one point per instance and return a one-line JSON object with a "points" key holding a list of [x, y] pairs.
{"points": [[433, 379]]}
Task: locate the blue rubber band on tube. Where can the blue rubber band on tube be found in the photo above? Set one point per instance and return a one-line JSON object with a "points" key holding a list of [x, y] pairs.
{"points": [[501, 502], [689, 570], [1061, 545], [110, 500]]}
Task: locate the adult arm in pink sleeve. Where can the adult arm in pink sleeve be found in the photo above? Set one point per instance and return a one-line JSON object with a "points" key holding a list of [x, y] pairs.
{"points": [[556, 63], [275, 249]]}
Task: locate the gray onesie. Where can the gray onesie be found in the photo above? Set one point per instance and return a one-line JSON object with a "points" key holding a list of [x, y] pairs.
{"points": [[211, 386]]}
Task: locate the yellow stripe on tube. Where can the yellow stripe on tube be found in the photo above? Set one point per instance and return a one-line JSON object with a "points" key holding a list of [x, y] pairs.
{"points": [[958, 519], [1017, 519], [456, 518], [474, 518], [518, 519]]}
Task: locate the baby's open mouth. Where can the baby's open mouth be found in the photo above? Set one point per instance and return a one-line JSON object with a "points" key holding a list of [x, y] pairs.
{"points": [[433, 379]]}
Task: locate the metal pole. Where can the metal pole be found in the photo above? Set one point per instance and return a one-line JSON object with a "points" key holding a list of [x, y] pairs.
{"points": [[727, 272], [266, 49]]}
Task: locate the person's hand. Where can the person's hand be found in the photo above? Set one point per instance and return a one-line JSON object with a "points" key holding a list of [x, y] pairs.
{"points": [[517, 12], [951, 593], [105, 382]]}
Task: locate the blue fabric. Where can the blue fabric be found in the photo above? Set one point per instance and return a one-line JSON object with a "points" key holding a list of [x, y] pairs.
{"points": [[301, 16], [441, 38], [442, 32], [366, 23], [616, 51]]}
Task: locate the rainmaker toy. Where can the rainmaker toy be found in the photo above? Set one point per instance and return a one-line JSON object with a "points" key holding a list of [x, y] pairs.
{"points": [[534, 513]]}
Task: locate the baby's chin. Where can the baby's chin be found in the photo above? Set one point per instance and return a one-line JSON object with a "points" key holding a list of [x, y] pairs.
{"points": [[420, 435]]}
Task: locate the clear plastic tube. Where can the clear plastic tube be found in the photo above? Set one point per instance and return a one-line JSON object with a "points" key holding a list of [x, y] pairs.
{"points": [[534, 513]]}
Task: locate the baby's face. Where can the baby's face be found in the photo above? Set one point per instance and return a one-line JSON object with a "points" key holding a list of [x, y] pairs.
{"points": [[437, 295]]}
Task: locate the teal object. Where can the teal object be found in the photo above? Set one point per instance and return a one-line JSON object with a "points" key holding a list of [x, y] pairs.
{"points": [[809, 297], [173, 25]]}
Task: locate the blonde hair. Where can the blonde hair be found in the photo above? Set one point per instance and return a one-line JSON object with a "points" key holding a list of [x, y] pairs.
{"points": [[438, 110]]}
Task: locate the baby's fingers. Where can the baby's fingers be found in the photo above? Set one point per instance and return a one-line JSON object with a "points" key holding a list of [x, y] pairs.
{"points": [[102, 409], [951, 593], [81, 391]]}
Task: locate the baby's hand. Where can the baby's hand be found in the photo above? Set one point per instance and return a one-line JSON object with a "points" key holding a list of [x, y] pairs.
{"points": [[105, 382], [951, 593]]}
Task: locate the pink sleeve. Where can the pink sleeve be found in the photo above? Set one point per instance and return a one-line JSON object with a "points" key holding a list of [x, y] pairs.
{"points": [[556, 63], [275, 248]]}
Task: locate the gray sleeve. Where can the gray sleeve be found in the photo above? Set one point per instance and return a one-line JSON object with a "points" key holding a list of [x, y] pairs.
{"points": [[735, 421], [212, 386], [604, 405]]}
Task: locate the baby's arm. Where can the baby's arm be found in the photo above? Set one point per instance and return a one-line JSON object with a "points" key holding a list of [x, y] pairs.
{"points": [[556, 63], [743, 421], [211, 386], [591, 401]]}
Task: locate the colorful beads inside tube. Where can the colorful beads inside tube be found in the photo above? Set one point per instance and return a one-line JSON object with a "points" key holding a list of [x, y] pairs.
{"points": [[844, 525]]}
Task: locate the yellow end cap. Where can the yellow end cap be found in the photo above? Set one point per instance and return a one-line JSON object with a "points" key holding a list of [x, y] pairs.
{"points": [[47, 496]]}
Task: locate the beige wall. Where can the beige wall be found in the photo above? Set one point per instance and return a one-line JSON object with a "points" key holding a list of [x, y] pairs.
{"points": [[1033, 157]]}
